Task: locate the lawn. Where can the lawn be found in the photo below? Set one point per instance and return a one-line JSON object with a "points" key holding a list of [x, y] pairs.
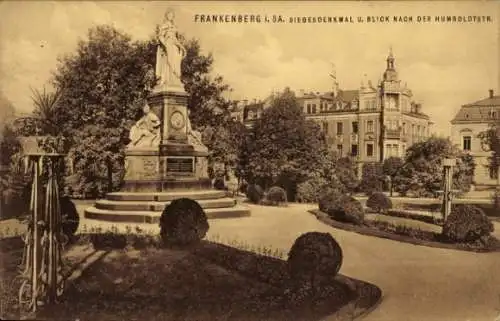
{"points": [[209, 281]]}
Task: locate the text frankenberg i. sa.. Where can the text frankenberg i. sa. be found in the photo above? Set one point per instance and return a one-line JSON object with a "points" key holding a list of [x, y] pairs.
{"points": [[237, 18]]}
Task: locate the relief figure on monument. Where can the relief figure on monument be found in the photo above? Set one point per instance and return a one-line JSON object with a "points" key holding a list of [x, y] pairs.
{"points": [[194, 136], [169, 54], [146, 131]]}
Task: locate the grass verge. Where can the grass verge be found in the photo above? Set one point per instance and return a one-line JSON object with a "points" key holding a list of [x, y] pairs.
{"points": [[139, 279]]}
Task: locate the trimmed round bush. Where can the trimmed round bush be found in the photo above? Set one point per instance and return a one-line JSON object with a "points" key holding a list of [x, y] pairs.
{"points": [[255, 193], [328, 200], [310, 190], [345, 208], [276, 195], [70, 217], [379, 202], [314, 259], [351, 211], [183, 222], [467, 224]]}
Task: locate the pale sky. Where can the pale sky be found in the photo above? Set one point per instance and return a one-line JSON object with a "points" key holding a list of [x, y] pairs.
{"points": [[445, 64]]}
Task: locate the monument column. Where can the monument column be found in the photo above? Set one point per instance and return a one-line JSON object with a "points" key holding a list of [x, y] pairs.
{"points": [[177, 158]]}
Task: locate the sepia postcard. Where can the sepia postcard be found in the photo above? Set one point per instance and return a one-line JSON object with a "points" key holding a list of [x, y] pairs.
{"points": [[250, 160]]}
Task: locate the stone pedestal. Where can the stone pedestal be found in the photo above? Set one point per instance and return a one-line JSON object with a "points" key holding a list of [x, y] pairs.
{"points": [[178, 162]]}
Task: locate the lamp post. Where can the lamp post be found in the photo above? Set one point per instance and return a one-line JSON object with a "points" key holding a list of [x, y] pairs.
{"points": [[448, 164]]}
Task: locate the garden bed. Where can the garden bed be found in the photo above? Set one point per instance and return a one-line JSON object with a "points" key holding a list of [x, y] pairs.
{"points": [[209, 281], [406, 234]]}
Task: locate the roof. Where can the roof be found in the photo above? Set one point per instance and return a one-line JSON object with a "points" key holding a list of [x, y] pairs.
{"points": [[342, 95], [476, 114], [479, 111], [487, 102]]}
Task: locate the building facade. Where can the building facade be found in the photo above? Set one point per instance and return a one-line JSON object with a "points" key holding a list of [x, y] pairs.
{"points": [[370, 123], [468, 123]]}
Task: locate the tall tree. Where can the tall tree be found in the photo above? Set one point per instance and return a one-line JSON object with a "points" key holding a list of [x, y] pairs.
{"points": [[422, 173], [490, 141], [391, 168], [284, 148], [101, 83], [206, 102]]}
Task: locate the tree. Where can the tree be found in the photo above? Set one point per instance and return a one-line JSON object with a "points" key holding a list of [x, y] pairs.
{"points": [[208, 107], [391, 168], [224, 143], [490, 141], [284, 148], [102, 82], [101, 89], [346, 174], [372, 178], [422, 173]]}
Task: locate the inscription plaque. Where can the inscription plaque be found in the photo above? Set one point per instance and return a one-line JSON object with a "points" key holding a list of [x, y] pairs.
{"points": [[182, 165]]}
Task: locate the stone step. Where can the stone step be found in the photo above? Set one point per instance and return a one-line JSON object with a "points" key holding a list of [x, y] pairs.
{"points": [[166, 196], [154, 217], [159, 206]]}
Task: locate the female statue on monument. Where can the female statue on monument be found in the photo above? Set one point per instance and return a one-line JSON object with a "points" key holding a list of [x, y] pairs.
{"points": [[169, 54], [146, 131]]}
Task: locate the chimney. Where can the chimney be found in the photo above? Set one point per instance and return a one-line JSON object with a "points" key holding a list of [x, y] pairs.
{"points": [[491, 93]]}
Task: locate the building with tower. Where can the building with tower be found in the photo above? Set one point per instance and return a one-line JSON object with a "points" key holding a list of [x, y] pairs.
{"points": [[370, 123]]}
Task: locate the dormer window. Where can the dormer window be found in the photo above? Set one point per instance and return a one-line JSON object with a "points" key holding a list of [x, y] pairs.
{"points": [[466, 116]]}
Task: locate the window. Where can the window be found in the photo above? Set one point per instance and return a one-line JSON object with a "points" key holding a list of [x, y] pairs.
{"points": [[340, 128], [413, 130], [467, 143], [369, 126], [395, 150], [325, 127], [339, 149], [418, 130], [369, 150], [355, 127], [388, 150], [308, 108], [314, 108], [404, 128], [354, 150]]}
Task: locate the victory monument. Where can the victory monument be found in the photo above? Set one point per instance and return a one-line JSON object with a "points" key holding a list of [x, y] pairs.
{"points": [[165, 158]]}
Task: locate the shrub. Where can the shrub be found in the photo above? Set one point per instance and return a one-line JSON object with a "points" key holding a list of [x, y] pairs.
{"points": [[276, 195], [243, 187], [255, 193], [467, 224], [352, 212], [314, 260], [328, 200], [108, 240], [183, 222], [310, 190], [70, 217], [219, 183], [379, 202], [343, 208], [372, 178]]}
